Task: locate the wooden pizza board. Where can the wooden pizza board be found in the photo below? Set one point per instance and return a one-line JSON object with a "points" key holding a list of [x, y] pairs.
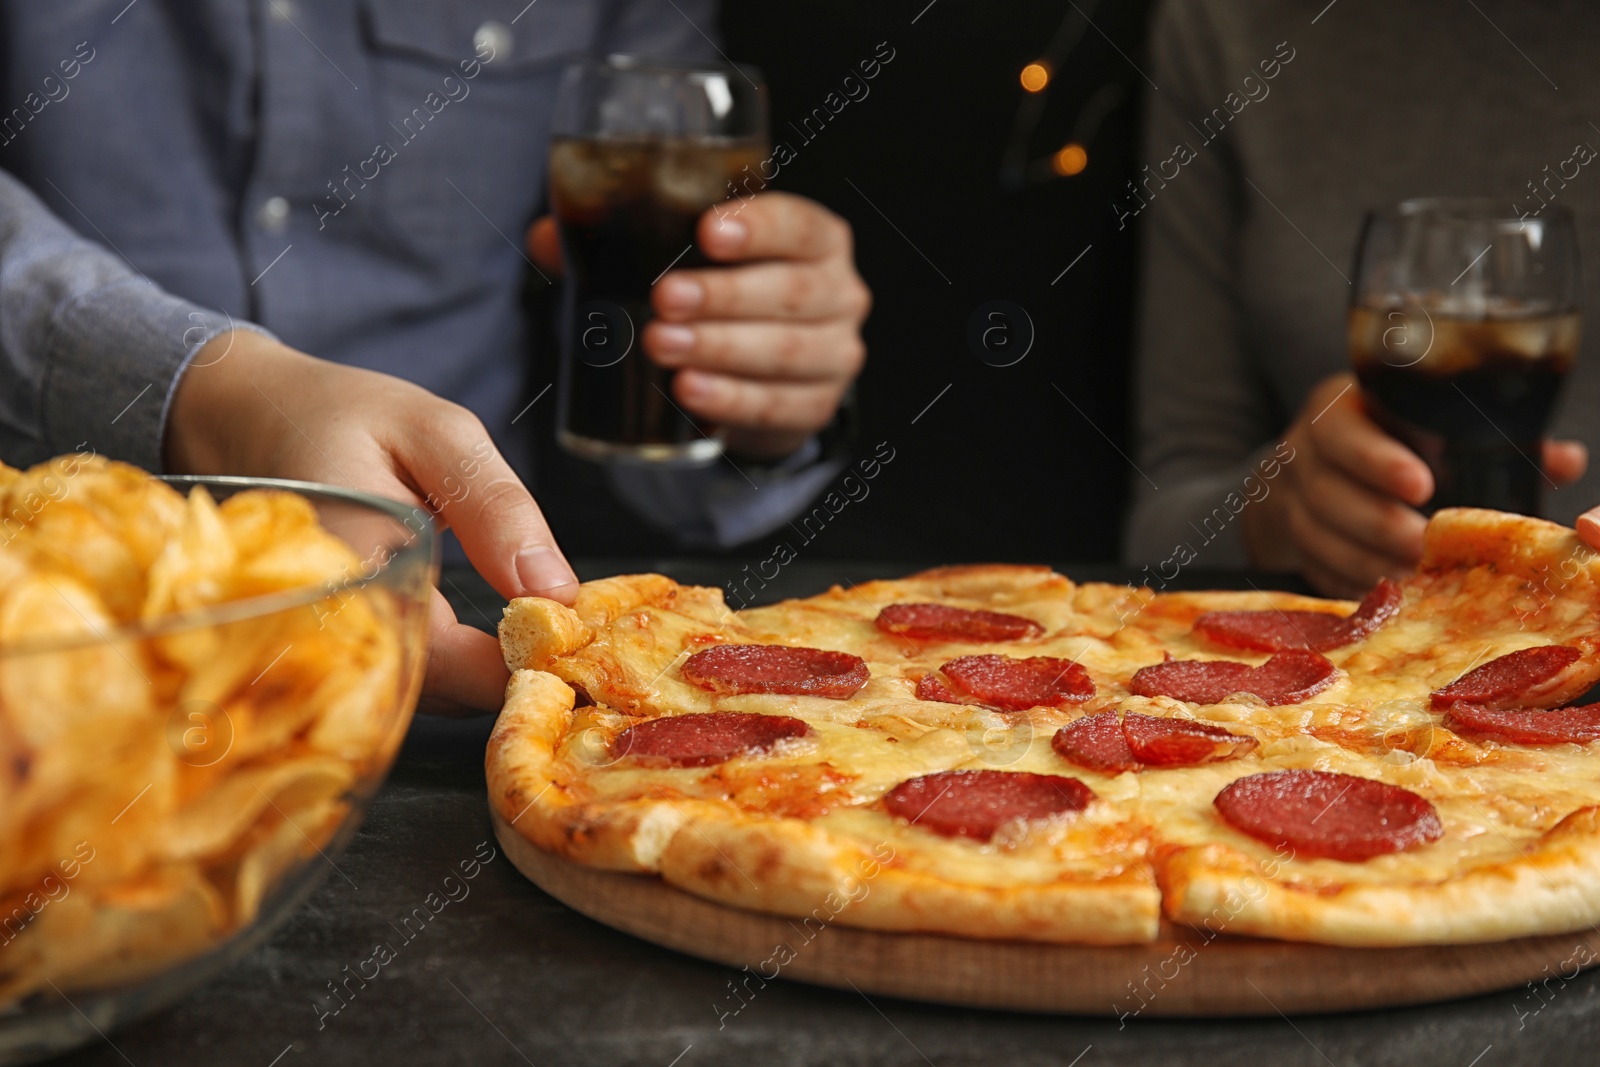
{"points": [[1179, 974]]}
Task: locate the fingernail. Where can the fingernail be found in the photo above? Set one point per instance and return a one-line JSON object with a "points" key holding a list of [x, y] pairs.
{"points": [[541, 570], [671, 340], [1420, 489], [731, 234], [680, 294], [691, 387]]}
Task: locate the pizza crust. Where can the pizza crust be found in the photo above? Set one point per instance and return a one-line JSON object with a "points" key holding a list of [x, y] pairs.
{"points": [[531, 792], [1553, 888], [535, 632], [1519, 545]]}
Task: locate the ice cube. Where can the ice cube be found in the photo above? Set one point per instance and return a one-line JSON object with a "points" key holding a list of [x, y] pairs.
{"points": [[691, 177]]}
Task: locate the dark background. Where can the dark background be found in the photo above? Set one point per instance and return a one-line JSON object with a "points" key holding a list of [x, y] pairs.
{"points": [[1018, 462]]}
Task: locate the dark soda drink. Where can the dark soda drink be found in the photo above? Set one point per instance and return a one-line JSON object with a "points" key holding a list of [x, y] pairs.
{"points": [[1472, 397], [627, 209]]}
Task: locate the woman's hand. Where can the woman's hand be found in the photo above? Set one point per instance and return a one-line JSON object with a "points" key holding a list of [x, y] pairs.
{"points": [[1346, 511]]}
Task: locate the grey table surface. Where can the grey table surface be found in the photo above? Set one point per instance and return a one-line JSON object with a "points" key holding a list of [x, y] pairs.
{"points": [[507, 975]]}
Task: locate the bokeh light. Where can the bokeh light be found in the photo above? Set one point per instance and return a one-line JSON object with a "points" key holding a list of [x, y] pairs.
{"points": [[1035, 76], [1070, 160]]}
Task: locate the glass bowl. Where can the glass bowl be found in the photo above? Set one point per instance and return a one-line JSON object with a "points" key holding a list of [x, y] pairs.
{"points": [[171, 789]]}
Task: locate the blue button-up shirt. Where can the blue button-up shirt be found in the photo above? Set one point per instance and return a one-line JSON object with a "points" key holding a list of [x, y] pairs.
{"points": [[355, 176]]}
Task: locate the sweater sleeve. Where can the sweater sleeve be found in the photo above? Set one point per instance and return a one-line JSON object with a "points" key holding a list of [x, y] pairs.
{"points": [[90, 349], [1203, 417]]}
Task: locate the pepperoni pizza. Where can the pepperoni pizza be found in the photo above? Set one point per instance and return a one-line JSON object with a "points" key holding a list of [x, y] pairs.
{"points": [[998, 752]]}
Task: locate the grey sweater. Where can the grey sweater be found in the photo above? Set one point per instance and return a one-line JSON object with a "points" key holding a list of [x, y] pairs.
{"points": [[1270, 130]]}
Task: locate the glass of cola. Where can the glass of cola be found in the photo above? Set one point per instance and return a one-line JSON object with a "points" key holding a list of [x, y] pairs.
{"points": [[640, 150], [1463, 327]]}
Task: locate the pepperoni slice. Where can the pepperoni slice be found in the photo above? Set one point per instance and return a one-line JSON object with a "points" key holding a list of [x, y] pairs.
{"points": [[1319, 631], [1287, 678], [1008, 684], [701, 739], [1319, 813], [1096, 742], [1101, 743], [976, 804], [941, 622], [1198, 681], [1576, 726], [1162, 742], [776, 669], [1292, 676], [931, 688], [1513, 680]]}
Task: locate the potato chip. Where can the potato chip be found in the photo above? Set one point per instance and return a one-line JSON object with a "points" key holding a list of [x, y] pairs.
{"points": [[89, 694], [14, 766], [193, 569], [278, 847], [305, 559], [299, 689], [209, 824], [70, 540], [280, 543], [100, 940], [220, 660], [259, 519], [144, 511], [357, 719]]}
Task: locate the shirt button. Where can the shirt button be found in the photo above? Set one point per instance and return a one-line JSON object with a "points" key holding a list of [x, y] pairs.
{"points": [[492, 40], [273, 215]]}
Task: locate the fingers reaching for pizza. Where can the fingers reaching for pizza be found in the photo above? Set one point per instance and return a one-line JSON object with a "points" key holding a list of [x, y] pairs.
{"points": [[1346, 512], [1589, 528]]}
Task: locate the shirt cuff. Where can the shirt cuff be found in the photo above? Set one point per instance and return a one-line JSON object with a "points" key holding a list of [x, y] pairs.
{"points": [[116, 354], [724, 504]]}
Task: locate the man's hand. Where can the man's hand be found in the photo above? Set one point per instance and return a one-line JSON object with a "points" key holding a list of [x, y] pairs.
{"points": [[1344, 512], [251, 406], [766, 348]]}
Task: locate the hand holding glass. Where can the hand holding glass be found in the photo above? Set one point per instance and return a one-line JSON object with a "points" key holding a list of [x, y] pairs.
{"points": [[640, 151], [1463, 327]]}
